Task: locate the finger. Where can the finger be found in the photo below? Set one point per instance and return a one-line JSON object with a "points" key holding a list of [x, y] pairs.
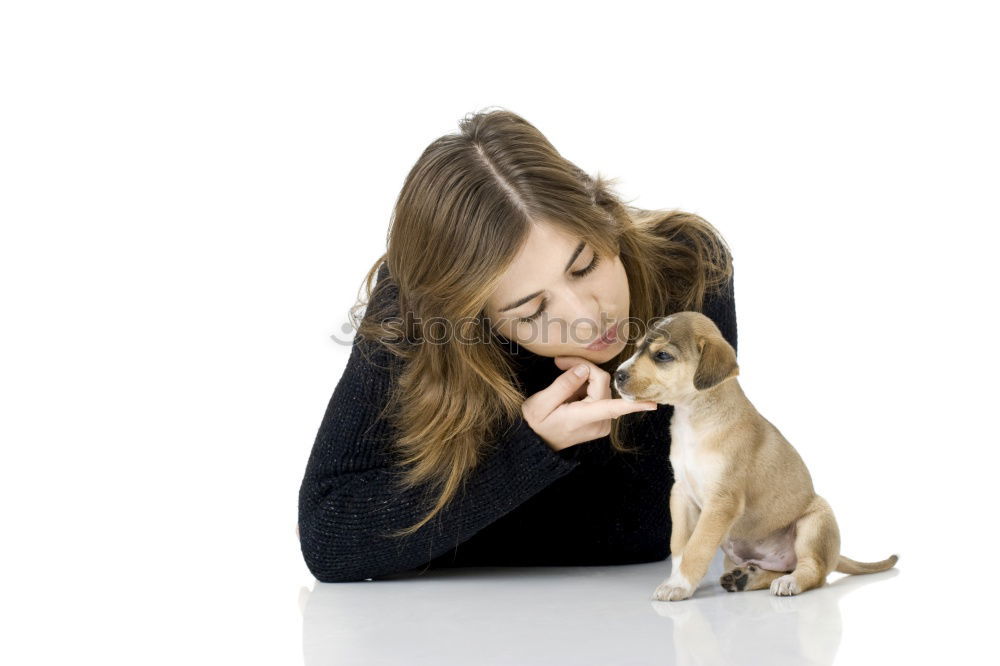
{"points": [[599, 382], [579, 394], [612, 408], [598, 385], [561, 390], [566, 362]]}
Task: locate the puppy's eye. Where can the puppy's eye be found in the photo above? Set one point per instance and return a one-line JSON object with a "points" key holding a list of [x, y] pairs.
{"points": [[663, 356]]}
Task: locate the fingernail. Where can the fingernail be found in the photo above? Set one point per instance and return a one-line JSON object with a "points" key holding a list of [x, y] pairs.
{"points": [[651, 407], [580, 370]]}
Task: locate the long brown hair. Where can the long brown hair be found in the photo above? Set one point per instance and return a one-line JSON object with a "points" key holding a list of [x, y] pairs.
{"points": [[464, 211]]}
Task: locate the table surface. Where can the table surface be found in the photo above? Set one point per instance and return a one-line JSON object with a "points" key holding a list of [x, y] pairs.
{"points": [[606, 615]]}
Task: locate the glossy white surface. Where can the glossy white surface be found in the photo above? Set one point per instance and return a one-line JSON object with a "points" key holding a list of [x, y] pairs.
{"points": [[604, 615]]}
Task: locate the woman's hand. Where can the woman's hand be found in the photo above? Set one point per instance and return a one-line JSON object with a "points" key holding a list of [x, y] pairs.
{"points": [[576, 408]]}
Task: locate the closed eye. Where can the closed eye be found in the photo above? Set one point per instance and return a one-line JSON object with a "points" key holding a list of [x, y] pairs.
{"points": [[576, 274], [584, 271]]}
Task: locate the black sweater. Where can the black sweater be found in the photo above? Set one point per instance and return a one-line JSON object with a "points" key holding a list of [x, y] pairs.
{"points": [[525, 504]]}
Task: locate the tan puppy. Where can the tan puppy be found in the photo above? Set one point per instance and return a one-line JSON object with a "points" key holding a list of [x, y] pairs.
{"points": [[738, 483]]}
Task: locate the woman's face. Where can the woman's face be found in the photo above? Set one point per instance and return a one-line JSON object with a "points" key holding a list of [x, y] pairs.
{"points": [[554, 300]]}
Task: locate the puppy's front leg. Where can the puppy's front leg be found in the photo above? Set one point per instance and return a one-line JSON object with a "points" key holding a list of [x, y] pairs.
{"points": [[718, 515], [683, 517]]}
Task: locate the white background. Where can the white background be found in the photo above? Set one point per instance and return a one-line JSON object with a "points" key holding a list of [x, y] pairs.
{"points": [[191, 193]]}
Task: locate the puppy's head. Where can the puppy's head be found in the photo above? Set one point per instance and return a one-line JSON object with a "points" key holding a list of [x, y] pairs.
{"points": [[681, 355]]}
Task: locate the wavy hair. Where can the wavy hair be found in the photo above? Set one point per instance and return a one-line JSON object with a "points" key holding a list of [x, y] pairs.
{"points": [[464, 211]]}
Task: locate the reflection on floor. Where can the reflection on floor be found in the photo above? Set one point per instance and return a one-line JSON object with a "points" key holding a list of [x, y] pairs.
{"points": [[563, 615]]}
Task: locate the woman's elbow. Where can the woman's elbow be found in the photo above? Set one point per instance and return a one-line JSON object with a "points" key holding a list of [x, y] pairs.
{"points": [[327, 565], [330, 562], [334, 574]]}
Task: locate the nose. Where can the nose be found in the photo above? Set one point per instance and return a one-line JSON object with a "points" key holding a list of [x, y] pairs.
{"points": [[621, 376]]}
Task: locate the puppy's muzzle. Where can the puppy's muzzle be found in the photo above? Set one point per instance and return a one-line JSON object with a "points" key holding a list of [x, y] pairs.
{"points": [[621, 381]]}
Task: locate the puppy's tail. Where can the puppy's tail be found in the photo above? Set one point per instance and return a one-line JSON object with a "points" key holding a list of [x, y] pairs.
{"points": [[848, 566]]}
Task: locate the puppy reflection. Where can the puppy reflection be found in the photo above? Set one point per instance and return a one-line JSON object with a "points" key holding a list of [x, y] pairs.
{"points": [[721, 629], [738, 483]]}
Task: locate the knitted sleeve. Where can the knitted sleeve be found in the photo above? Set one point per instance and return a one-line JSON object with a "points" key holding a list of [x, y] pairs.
{"points": [[348, 498]]}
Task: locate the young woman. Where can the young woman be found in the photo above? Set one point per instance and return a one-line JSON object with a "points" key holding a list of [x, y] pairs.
{"points": [[460, 433]]}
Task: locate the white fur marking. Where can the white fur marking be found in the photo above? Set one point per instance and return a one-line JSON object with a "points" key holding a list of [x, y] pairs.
{"points": [[695, 470], [675, 588], [785, 586], [625, 366]]}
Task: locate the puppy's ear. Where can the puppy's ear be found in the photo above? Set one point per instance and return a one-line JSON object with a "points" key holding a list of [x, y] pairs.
{"points": [[717, 362]]}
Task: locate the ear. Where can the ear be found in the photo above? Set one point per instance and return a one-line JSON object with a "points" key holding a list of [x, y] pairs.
{"points": [[717, 362]]}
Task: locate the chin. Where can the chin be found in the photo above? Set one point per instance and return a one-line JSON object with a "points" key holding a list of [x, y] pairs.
{"points": [[639, 398]]}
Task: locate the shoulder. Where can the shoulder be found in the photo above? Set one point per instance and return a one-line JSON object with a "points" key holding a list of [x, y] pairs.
{"points": [[380, 311]]}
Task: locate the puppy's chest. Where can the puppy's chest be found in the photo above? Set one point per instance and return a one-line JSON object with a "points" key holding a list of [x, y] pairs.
{"points": [[696, 468]]}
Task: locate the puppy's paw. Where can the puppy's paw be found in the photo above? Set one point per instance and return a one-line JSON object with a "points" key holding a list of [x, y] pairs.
{"points": [[737, 579], [673, 589], [744, 577], [784, 586]]}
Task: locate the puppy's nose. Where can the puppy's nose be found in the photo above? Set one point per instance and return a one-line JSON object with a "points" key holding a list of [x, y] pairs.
{"points": [[621, 376]]}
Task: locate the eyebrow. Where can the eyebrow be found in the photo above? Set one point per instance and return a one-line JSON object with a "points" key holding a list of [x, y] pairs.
{"points": [[569, 264]]}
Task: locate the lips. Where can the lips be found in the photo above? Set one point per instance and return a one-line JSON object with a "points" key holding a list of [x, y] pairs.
{"points": [[609, 337]]}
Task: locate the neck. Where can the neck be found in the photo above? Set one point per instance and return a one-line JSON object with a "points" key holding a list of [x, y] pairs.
{"points": [[715, 405]]}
